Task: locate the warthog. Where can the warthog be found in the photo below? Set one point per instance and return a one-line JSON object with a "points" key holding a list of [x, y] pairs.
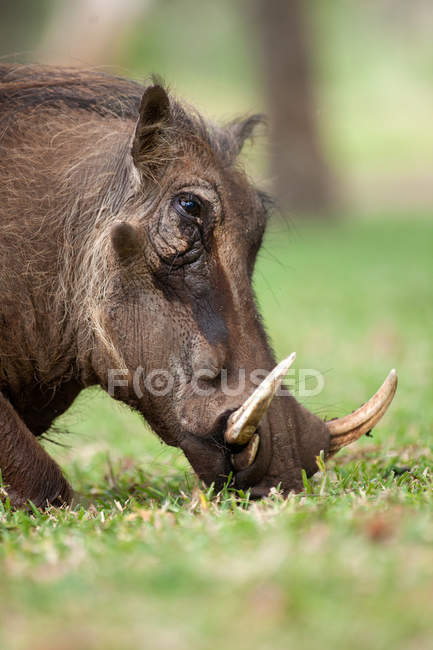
{"points": [[128, 240]]}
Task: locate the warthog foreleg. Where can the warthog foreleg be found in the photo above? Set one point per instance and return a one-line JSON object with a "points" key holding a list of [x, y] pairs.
{"points": [[28, 472]]}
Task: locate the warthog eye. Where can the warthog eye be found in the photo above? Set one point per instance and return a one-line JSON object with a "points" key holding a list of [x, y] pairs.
{"points": [[188, 205]]}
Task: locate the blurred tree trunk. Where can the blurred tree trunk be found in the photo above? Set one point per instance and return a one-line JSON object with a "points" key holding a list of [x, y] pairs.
{"points": [[302, 181]]}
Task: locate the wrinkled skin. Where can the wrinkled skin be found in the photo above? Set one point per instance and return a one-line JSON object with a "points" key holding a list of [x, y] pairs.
{"points": [[201, 291], [177, 290], [210, 323]]}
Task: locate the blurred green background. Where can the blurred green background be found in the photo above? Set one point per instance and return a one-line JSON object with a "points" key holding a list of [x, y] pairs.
{"points": [[150, 558], [370, 74]]}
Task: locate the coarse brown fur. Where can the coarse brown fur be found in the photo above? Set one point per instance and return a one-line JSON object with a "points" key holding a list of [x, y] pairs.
{"points": [[98, 271]]}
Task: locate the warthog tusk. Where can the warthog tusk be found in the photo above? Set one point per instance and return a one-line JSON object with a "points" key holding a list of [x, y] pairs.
{"points": [[243, 423], [351, 427], [246, 457]]}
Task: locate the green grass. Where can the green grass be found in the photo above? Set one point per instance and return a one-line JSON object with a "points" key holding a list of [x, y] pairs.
{"points": [[151, 559]]}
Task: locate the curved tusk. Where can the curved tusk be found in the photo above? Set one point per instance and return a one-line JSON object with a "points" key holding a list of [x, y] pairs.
{"points": [[337, 442], [246, 457], [242, 424], [351, 427], [367, 410]]}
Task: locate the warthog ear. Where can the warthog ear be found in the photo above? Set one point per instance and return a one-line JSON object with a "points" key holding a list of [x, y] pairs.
{"points": [[241, 130], [154, 115], [125, 240]]}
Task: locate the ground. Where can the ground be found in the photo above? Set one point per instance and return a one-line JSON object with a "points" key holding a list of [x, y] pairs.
{"points": [[151, 559]]}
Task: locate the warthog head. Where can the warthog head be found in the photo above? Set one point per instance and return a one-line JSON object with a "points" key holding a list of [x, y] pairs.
{"points": [[180, 315]]}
